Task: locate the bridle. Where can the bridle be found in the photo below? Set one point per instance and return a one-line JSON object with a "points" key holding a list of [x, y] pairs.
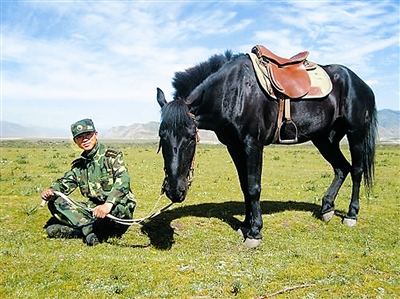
{"points": [[190, 175]]}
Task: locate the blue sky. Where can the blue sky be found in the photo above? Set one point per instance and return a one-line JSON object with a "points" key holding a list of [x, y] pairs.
{"points": [[66, 60]]}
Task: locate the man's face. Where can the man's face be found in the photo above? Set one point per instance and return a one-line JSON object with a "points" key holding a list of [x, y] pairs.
{"points": [[86, 141]]}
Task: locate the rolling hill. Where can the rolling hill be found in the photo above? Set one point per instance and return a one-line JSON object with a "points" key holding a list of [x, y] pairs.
{"points": [[388, 131]]}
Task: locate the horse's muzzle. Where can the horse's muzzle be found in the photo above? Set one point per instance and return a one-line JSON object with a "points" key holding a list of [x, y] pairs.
{"points": [[176, 192]]}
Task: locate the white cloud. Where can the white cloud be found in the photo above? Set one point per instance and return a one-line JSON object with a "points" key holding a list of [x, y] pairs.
{"points": [[113, 54]]}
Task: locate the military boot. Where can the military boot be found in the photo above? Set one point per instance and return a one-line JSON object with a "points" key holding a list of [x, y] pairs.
{"points": [[91, 239], [63, 231]]}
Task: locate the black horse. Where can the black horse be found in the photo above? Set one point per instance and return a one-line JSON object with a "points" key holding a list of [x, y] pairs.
{"points": [[223, 95]]}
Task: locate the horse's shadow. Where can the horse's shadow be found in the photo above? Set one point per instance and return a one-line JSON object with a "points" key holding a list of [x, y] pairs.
{"points": [[161, 234]]}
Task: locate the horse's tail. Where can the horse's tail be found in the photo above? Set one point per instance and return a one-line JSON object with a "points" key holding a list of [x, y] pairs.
{"points": [[371, 123]]}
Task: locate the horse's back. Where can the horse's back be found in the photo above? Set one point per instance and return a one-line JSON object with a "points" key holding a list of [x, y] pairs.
{"points": [[345, 77]]}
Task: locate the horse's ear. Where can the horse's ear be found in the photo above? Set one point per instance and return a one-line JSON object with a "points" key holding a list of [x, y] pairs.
{"points": [[161, 97]]}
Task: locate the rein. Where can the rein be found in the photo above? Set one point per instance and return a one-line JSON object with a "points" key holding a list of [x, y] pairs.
{"points": [[191, 170], [151, 214], [128, 222]]}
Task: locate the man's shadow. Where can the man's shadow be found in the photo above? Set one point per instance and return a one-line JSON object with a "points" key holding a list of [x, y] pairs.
{"points": [[161, 234]]}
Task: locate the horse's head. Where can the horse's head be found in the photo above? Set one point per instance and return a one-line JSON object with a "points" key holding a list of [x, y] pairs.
{"points": [[178, 136]]}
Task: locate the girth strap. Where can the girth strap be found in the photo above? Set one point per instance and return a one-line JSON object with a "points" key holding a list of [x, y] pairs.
{"points": [[280, 119]]}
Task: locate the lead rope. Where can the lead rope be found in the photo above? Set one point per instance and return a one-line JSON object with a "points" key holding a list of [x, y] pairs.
{"points": [[152, 214], [128, 222]]}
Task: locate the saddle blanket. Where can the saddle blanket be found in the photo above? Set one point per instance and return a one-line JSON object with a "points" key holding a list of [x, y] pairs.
{"points": [[321, 84]]}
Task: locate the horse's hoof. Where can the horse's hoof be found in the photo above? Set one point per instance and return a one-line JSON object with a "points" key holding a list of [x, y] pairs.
{"points": [[242, 232], [248, 242], [251, 243], [349, 222], [328, 216]]}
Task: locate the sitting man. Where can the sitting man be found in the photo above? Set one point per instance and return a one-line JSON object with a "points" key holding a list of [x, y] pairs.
{"points": [[102, 177]]}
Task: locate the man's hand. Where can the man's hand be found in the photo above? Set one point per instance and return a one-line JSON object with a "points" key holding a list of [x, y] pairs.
{"points": [[101, 211], [48, 195]]}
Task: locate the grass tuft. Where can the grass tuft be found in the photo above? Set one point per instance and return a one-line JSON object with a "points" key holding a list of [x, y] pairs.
{"points": [[193, 250]]}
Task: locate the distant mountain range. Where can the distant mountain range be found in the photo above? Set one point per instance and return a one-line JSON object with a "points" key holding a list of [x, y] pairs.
{"points": [[388, 130], [137, 132], [13, 130], [389, 125]]}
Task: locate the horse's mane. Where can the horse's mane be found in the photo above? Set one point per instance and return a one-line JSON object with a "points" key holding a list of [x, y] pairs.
{"points": [[175, 115], [185, 82]]}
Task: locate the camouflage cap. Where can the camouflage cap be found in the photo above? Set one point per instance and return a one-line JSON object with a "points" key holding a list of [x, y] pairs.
{"points": [[82, 126]]}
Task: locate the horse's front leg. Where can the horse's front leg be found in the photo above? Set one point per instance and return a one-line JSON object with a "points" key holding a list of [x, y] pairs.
{"points": [[248, 162]]}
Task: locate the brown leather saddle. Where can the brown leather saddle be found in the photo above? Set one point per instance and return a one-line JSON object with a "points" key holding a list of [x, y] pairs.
{"points": [[289, 79], [288, 75]]}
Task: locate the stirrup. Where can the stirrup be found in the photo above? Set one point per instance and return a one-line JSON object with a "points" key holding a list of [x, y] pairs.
{"points": [[289, 123]]}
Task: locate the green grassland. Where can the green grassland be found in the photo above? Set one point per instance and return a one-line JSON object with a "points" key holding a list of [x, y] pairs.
{"points": [[193, 250]]}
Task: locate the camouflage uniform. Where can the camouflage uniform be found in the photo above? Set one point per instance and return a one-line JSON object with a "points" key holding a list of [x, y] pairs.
{"points": [[102, 176]]}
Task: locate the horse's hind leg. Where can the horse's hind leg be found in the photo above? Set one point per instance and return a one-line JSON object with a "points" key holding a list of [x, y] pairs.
{"points": [[356, 151], [330, 150]]}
